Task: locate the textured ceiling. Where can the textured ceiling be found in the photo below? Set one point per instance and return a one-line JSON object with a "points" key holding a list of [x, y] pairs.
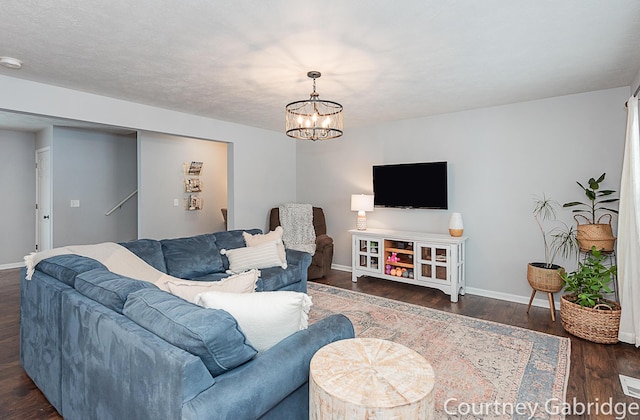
{"points": [[243, 61]]}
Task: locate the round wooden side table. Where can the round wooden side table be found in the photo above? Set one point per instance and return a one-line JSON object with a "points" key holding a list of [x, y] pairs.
{"points": [[369, 378]]}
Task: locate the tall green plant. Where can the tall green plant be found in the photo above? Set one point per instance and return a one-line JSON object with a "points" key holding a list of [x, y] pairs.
{"points": [[595, 196], [558, 239], [590, 280]]}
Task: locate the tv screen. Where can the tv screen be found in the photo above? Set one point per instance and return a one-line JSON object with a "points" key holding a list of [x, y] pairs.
{"points": [[411, 185]]}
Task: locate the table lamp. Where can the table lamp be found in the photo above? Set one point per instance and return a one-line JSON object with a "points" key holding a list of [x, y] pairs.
{"points": [[361, 203]]}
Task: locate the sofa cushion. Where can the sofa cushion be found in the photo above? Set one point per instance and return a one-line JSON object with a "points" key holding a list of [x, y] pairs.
{"points": [[247, 258], [213, 335], [266, 318], [107, 288], [148, 250], [231, 239], [188, 289], [66, 267], [192, 257]]}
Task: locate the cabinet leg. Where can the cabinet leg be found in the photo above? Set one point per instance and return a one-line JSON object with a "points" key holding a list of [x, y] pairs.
{"points": [[533, 293], [354, 278]]}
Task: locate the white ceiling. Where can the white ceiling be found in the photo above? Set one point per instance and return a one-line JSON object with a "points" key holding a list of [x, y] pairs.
{"points": [[243, 61]]}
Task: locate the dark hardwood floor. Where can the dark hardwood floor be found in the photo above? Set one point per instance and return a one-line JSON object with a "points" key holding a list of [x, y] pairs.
{"points": [[593, 373]]}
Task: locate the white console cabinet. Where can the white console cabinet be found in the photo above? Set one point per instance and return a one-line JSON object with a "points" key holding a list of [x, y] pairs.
{"points": [[426, 259]]}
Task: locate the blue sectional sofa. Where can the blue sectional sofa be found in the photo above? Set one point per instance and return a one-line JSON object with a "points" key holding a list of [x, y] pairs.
{"points": [[104, 346]]}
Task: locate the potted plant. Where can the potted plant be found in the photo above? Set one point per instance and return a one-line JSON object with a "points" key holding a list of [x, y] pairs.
{"points": [[558, 239], [593, 232], [584, 311]]}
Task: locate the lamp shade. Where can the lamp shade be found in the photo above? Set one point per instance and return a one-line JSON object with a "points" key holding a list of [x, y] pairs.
{"points": [[361, 202]]}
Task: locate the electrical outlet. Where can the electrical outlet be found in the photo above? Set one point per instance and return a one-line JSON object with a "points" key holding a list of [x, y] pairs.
{"points": [[176, 202], [75, 203]]}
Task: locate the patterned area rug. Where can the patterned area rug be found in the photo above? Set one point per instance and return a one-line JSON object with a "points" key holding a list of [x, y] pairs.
{"points": [[483, 369]]}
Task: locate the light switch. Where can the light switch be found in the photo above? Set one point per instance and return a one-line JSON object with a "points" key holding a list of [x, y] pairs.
{"points": [[176, 202], [75, 203]]}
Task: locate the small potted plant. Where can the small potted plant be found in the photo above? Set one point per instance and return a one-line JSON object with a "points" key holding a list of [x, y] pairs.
{"points": [[558, 239], [593, 232], [584, 311]]}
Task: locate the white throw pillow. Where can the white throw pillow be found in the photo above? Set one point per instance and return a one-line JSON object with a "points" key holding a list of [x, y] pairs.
{"points": [[273, 236], [265, 317], [246, 258], [189, 289]]}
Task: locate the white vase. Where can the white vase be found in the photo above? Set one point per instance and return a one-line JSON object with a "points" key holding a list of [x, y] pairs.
{"points": [[455, 225]]}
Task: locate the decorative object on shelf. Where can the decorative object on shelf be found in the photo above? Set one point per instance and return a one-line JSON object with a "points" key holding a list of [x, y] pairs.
{"points": [[584, 311], [192, 185], [193, 168], [313, 118], [594, 233], [455, 225], [193, 202], [361, 203], [393, 257], [561, 239]]}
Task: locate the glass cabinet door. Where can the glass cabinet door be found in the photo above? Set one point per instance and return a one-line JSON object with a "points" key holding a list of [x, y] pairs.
{"points": [[433, 262], [368, 254]]}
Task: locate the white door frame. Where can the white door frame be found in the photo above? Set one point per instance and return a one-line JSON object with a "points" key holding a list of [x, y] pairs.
{"points": [[44, 203]]}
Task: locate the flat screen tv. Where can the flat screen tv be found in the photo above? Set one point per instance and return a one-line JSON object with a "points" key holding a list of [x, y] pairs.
{"points": [[411, 185]]}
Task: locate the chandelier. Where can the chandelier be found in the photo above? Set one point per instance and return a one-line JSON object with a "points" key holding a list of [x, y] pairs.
{"points": [[314, 119]]}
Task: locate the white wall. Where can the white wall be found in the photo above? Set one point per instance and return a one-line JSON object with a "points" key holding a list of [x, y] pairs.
{"points": [[99, 170], [162, 180], [262, 164], [17, 187], [635, 83], [499, 158]]}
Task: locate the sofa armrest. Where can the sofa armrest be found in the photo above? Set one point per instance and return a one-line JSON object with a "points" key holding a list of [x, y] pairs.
{"points": [[299, 258], [251, 390], [323, 241]]}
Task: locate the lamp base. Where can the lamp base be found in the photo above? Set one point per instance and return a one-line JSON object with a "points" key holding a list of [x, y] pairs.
{"points": [[361, 222]]}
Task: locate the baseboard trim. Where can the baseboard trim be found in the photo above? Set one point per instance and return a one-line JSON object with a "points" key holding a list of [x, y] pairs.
{"points": [[10, 266], [341, 267], [539, 302]]}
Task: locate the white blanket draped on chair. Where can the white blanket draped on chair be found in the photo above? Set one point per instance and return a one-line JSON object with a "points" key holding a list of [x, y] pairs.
{"points": [[297, 225]]}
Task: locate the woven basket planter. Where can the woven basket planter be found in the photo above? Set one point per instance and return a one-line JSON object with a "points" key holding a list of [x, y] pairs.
{"points": [[544, 279], [598, 234], [592, 324]]}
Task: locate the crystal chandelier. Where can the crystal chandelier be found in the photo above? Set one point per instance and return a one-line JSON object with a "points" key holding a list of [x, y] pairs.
{"points": [[313, 118]]}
